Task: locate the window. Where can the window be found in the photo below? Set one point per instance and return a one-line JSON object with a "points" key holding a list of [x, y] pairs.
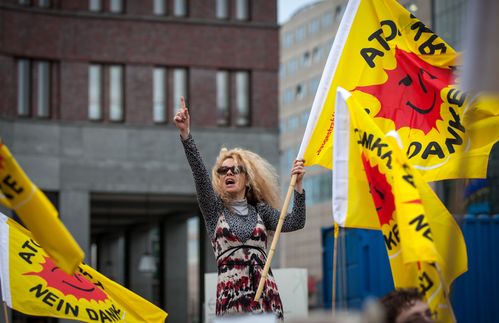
{"points": [[37, 74], [327, 20], [292, 123], [319, 188], [288, 40], [95, 5], [223, 91], [242, 10], [314, 85], [300, 34], [23, 87], [306, 59], [242, 98], [292, 66], [159, 7], [43, 89], [304, 118], [179, 87], [288, 96], [116, 93], [286, 156], [292, 153], [282, 126], [328, 45], [316, 54], [180, 8], [44, 3], [282, 162], [116, 6], [282, 71], [338, 12], [313, 27], [301, 91], [159, 94], [94, 92], [222, 9]]}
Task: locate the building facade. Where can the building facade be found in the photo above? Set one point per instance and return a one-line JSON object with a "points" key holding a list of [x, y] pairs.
{"points": [[87, 97], [306, 39]]}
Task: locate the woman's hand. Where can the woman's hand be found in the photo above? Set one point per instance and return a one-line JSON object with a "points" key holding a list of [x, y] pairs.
{"points": [[299, 170], [183, 120]]}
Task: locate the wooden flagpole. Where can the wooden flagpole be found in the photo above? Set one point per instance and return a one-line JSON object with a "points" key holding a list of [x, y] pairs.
{"points": [[335, 264], [276, 238], [5, 312]]}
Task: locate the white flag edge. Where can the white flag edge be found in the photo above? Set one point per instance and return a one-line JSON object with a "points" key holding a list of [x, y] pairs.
{"points": [[4, 260], [340, 157]]}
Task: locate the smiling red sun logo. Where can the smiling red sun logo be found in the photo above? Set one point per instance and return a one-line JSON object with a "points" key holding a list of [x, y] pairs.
{"points": [[381, 192], [411, 95], [75, 284]]}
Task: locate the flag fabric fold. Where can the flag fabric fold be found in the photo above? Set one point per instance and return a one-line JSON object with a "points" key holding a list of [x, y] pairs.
{"points": [[33, 284], [37, 213], [394, 64], [375, 186]]}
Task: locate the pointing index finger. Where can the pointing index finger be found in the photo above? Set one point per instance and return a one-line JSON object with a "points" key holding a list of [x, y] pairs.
{"points": [[182, 102]]}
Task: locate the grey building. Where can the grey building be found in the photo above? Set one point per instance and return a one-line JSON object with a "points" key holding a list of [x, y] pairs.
{"points": [[87, 96]]}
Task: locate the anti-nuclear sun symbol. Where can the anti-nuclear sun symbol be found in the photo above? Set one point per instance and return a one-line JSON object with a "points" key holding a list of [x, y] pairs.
{"points": [[410, 97], [76, 284]]}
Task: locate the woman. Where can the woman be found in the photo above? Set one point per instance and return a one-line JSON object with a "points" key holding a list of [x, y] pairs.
{"points": [[239, 209]]}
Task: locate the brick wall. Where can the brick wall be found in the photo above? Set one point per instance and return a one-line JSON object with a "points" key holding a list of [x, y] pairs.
{"points": [[8, 86], [72, 37]]}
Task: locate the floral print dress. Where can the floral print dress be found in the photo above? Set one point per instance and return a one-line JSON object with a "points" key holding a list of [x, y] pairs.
{"points": [[240, 243], [239, 271]]}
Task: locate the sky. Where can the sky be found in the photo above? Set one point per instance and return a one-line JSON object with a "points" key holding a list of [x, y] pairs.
{"points": [[286, 8]]}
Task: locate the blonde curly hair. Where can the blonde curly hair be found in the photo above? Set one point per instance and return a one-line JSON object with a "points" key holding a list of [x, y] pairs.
{"points": [[261, 177]]}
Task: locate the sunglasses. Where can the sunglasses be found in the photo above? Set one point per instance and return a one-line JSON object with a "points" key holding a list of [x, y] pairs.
{"points": [[223, 170]]}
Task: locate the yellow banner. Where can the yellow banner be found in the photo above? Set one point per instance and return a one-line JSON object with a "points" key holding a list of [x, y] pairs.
{"points": [[37, 213], [376, 187], [34, 285], [395, 65]]}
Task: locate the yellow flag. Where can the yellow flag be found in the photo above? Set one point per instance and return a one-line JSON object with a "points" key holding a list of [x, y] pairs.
{"points": [[393, 64], [34, 285], [375, 186], [37, 213]]}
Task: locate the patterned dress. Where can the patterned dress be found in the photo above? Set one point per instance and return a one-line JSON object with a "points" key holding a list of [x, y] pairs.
{"points": [[240, 242]]}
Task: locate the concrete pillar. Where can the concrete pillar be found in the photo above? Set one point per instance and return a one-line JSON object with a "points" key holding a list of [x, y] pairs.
{"points": [[112, 257], [140, 283], [207, 262], [175, 283], [74, 210], [210, 264]]}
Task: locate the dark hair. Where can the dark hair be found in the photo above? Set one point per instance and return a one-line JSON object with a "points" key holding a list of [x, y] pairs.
{"points": [[398, 300]]}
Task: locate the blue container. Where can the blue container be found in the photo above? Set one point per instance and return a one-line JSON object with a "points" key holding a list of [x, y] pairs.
{"points": [[363, 269], [475, 294]]}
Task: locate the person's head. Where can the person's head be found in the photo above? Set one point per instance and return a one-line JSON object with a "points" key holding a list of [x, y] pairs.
{"points": [[239, 173], [406, 306]]}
